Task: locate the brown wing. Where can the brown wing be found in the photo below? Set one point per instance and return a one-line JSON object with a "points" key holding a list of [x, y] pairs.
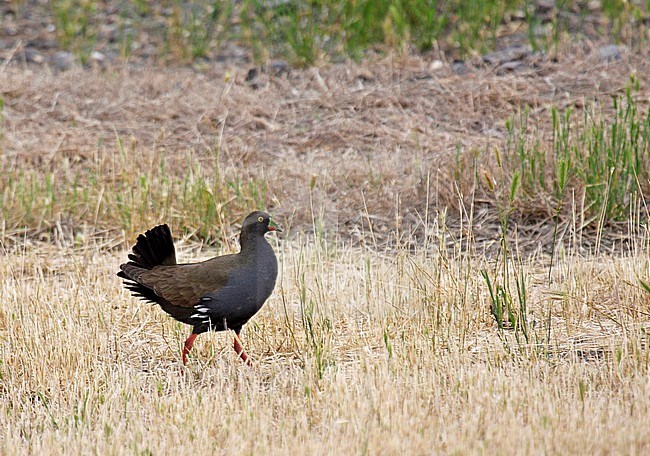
{"points": [[184, 284]]}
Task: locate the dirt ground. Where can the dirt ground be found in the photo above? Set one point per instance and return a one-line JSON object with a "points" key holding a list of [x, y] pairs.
{"points": [[385, 139], [357, 351]]}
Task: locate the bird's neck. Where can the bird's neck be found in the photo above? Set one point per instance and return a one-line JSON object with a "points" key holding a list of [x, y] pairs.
{"points": [[250, 241]]}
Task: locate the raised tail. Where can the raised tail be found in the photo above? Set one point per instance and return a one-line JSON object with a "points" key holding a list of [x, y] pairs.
{"points": [[153, 248]]}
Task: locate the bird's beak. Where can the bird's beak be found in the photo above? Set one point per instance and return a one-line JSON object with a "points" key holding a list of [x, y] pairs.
{"points": [[274, 226]]}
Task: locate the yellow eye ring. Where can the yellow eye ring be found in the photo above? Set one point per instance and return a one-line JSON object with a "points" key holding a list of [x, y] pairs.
{"points": [[260, 219]]}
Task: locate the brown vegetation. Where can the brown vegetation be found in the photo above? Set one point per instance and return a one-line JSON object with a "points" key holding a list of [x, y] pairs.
{"points": [[384, 138], [361, 348]]}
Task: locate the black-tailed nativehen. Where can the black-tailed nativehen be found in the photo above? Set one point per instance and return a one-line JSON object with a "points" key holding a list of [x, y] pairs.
{"points": [[217, 294]]}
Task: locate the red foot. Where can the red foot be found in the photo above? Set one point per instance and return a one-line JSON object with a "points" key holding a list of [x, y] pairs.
{"points": [[188, 346], [240, 350]]}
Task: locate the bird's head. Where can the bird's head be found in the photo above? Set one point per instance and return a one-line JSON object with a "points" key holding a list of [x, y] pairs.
{"points": [[259, 222]]}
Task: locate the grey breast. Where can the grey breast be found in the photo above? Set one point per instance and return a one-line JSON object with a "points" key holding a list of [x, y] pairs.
{"points": [[248, 287], [264, 273]]}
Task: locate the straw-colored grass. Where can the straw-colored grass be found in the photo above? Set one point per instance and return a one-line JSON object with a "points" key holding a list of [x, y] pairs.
{"points": [[399, 217], [402, 356], [123, 149]]}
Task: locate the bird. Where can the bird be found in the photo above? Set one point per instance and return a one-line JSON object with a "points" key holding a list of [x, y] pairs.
{"points": [[218, 294]]}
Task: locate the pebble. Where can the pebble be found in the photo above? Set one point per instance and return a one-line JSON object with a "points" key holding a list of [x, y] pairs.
{"points": [[62, 60], [509, 54], [459, 67], [610, 53]]}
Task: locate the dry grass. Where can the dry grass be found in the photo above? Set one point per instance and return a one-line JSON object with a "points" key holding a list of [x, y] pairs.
{"points": [[378, 338], [397, 129], [403, 356]]}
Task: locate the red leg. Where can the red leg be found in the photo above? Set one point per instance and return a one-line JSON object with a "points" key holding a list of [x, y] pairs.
{"points": [[240, 349], [188, 346]]}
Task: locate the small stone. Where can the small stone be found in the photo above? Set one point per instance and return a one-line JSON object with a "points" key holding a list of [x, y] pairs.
{"points": [[111, 33], [459, 67], [97, 57], [594, 5], [32, 56], [62, 60], [278, 67], [545, 5], [510, 66], [509, 54], [610, 53]]}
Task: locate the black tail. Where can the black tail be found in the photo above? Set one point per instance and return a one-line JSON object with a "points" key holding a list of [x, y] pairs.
{"points": [[153, 248]]}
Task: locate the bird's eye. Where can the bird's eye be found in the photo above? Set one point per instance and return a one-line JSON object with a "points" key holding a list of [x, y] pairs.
{"points": [[260, 219]]}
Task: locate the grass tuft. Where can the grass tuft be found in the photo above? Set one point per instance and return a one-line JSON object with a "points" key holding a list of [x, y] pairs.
{"points": [[603, 157], [305, 33], [125, 191]]}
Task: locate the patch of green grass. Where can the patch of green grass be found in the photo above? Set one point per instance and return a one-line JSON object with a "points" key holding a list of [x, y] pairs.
{"points": [[317, 324], [509, 306], [604, 157], [196, 27], [477, 23], [129, 192], [323, 30], [76, 25], [601, 159], [301, 31], [308, 31], [616, 164], [506, 281]]}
